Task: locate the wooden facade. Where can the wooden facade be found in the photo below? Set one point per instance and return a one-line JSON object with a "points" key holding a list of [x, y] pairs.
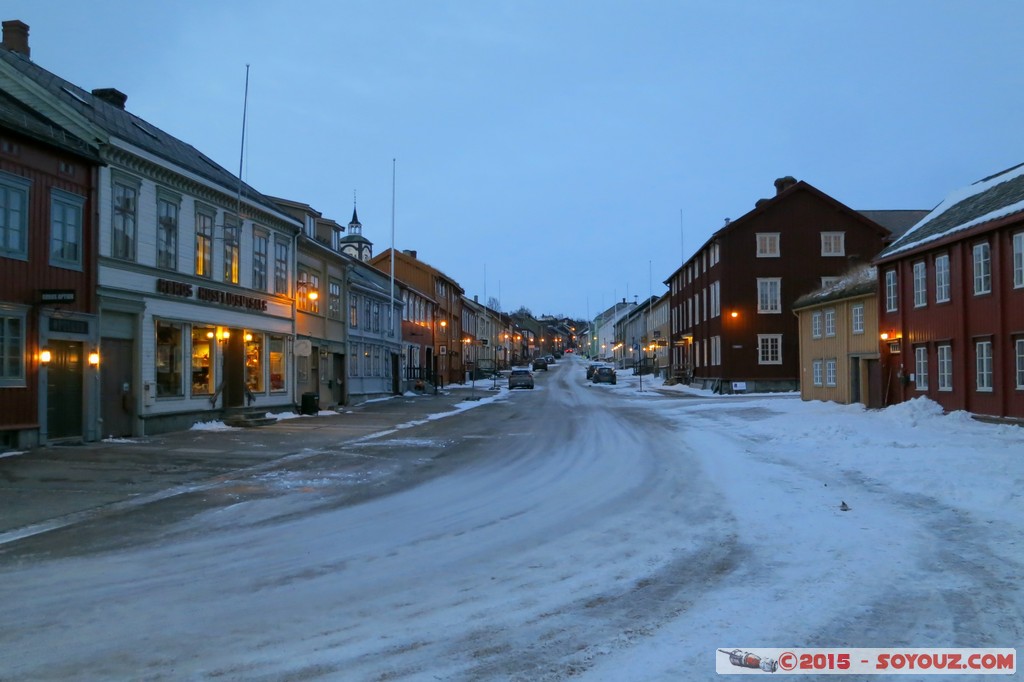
{"points": [[838, 338], [47, 282], [446, 357], [951, 293], [732, 301]]}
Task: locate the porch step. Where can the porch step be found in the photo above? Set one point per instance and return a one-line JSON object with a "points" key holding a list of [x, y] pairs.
{"points": [[247, 417], [243, 421]]}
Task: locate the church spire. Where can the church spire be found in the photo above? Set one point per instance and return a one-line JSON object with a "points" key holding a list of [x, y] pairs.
{"points": [[354, 226]]}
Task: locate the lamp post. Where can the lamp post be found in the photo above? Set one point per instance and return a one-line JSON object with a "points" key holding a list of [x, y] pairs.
{"points": [[443, 361]]}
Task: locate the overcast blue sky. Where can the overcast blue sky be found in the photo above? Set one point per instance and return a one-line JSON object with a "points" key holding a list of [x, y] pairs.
{"points": [[568, 152]]}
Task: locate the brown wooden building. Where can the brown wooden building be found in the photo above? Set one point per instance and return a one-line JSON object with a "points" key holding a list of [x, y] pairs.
{"points": [[49, 358], [732, 301], [951, 294], [446, 359]]}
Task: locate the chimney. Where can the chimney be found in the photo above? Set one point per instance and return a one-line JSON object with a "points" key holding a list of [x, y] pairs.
{"points": [[16, 36], [409, 252], [111, 96], [782, 184]]}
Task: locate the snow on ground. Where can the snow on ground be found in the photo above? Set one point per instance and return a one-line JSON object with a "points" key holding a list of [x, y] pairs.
{"points": [[630, 538], [934, 505]]}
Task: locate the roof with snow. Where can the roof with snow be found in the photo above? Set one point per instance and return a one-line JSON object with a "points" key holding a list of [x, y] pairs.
{"points": [[896, 221], [994, 197], [860, 281]]}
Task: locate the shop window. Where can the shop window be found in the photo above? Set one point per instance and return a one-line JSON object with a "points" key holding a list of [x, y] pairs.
{"points": [[254, 362], [204, 340], [169, 360], [277, 367]]}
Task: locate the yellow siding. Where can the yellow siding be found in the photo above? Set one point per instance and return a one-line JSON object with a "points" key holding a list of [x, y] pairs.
{"points": [[839, 347]]}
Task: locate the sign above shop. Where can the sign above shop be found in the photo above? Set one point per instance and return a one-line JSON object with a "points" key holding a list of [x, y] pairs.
{"points": [[184, 290], [57, 295]]}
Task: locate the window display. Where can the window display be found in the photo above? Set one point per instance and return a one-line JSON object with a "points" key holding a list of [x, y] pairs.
{"points": [[168, 359], [203, 353]]}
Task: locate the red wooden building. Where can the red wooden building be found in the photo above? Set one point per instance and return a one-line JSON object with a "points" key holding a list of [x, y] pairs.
{"points": [[732, 321], [48, 323], [951, 302]]}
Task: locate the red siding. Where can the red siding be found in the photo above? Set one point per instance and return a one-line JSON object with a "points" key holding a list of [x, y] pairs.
{"points": [[967, 318], [20, 281]]}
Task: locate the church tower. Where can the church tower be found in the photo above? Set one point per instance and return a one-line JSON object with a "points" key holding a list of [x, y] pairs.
{"points": [[354, 243]]}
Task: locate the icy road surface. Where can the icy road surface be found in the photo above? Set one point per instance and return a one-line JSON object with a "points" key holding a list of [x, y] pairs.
{"points": [[573, 531]]}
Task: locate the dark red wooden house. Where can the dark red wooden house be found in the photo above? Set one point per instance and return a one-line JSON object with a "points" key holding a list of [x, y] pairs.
{"points": [[733, 327], [48, 323], [951, 306]]}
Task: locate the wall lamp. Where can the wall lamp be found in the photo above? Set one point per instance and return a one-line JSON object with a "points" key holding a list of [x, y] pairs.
{"points": [[45, 356], [94, 358]]}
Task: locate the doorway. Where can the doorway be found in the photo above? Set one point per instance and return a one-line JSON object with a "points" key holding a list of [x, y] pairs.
{"points": [[117, 398], [64, 383]]}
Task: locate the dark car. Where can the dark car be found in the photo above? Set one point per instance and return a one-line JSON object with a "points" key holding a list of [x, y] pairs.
{"points": [[591, 368], [603, 375], [540, 363], [520, 378]]}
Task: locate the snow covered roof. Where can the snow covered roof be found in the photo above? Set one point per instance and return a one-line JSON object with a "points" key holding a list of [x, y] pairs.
{"points": [[857, 282], [993, 197]]}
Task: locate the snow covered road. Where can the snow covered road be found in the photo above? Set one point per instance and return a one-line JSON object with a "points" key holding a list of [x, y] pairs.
{"points": [[571, 531]]}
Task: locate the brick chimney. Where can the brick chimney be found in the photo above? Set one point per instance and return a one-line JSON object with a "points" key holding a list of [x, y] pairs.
{"points": [[111, 96], [782, 184], [16, 36]]}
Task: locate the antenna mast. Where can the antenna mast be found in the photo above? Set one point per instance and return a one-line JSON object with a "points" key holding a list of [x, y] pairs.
{"points": [[241, 152]]}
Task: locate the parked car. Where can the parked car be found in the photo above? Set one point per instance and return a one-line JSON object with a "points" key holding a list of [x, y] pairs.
{"points": [[591, 368], [550, 359], [520, 378], [603, 375], [540, 363]]}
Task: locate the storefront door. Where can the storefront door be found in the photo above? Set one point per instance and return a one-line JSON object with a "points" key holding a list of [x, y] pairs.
{"points": [[117, 398], [64, 390]]}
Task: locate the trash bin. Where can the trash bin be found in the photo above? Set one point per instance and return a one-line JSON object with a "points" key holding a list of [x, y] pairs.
{"points": [[310, 403]]}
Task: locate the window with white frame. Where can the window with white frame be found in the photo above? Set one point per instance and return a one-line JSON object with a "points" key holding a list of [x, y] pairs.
{"points": [[307, 283], [204, 243], [14, 216], [232, 246], [921, 368], [829, 281], [944, 355], [260, 252], [816, 324], [833, 243], [982, 269], [830, 322], [12, 346], [769, 349], [942, 278], [1018, 260], [1020, 364], [125, 217], [769, 294], [716, 299], [716, 350], [768, 245], [891, 292], [66, 229], [830, 372], [857, 318], [816, 372], [167, 207], [280, 267], [333, 299], [983, 358], [704, 296], [920, 284]]}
